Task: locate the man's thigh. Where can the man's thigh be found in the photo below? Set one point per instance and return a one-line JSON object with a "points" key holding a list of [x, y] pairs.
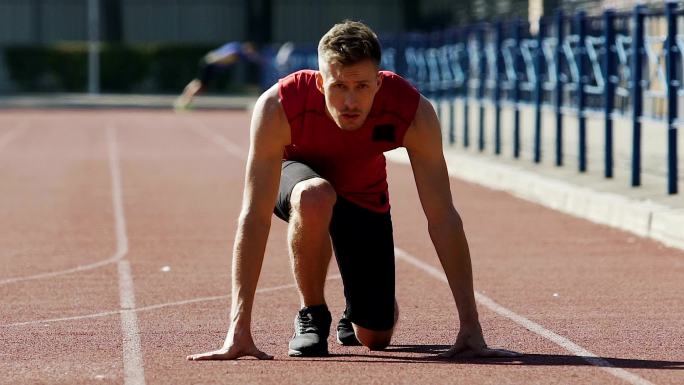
{"points": [[364, 249], [292, 172]]}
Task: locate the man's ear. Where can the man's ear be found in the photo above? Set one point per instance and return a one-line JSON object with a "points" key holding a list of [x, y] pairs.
{"points": [[319, 81], [379, 80]]}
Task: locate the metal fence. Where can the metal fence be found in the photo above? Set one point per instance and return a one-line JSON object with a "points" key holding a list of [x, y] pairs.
{"points": [[613, 65]]}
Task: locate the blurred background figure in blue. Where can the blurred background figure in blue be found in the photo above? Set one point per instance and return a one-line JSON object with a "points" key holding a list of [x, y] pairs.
{"points": [[215, 62]]}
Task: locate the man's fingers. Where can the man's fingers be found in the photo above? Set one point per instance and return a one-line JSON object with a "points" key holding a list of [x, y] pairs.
{"points": [[213, 355], [487, 352], [458, 354], [227, 355], [447, 354], [480, 353], [453, 351], [261, 355]]}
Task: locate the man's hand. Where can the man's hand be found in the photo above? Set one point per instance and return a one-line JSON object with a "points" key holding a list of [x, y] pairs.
{"points": [[471, 344], [233, 349]]}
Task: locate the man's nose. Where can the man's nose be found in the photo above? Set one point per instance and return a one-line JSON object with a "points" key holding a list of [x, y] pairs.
{"points": [[351, 100]]}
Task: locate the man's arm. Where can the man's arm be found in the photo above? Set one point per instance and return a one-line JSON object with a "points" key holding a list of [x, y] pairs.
{"points": [[423, 141], [269, 134]]}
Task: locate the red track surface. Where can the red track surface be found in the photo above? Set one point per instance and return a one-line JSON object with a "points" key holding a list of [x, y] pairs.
{"points": [[616, 295]]}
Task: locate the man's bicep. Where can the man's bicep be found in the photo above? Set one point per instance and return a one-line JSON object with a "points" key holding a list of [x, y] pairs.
{"points": [[432, 182], [261, 186], [269, 135], [424, 146]]}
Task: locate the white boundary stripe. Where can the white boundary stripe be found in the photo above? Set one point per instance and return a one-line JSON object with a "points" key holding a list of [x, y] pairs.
{"points": [[152, 307], [530, 325], [52, 320], [90, 266], [119, 254], [134, 372]]}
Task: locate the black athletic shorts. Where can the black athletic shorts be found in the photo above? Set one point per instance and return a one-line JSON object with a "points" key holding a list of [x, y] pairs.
{"points": [[364, 249]]}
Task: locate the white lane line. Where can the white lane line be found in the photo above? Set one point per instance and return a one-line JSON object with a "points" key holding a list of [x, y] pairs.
{"points": [[90, 266], [119, 254], [62, 319], [134, 372], [530, 325], [154, 307], [220, 140]]}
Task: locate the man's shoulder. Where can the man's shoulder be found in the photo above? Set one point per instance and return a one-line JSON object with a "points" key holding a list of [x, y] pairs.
{"points": [[300, 77], [298, 93], [398, 96], [394, 79], [268, 105], [297, 84]]}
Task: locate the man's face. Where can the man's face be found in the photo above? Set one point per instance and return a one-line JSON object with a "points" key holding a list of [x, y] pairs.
{"points": [[349, 91]]}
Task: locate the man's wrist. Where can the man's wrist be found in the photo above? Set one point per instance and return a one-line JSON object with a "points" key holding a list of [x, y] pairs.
{"points": [[470, 322], [240, 324]]}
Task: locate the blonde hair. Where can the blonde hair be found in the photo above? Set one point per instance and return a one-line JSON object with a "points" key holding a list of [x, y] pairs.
{"points": [[349, 42]]}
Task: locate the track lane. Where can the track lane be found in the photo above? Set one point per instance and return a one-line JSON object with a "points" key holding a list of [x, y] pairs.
{"points": [[220, 142], [610, 298], [57, 198], [181, 193]]}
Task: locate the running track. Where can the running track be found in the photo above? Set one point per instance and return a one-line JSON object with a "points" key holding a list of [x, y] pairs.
{"points": [[115, 246]]}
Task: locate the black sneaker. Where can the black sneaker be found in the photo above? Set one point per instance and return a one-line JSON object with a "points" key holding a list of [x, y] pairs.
{"points": [[345, 332], [312, 328]]}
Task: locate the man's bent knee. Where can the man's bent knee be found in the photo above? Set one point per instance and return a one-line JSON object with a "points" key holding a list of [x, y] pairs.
{"points": [[313, 197], [373, 339]]}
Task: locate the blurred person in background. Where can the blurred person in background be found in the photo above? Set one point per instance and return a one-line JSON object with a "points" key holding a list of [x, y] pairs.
{"points": [[213, 63]]}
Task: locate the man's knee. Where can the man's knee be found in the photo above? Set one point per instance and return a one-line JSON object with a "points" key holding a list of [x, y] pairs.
{"points": [[313, 197], [373, 339]]}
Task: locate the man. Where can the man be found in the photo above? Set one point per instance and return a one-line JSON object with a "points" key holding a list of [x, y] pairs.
{"points": [[317, 143], [213, 63]]}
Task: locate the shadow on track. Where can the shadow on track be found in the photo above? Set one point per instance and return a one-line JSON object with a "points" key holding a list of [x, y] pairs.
{"points": [[529, 359]]}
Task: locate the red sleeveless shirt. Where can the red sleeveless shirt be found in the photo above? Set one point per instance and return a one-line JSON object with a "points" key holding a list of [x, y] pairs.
{"points": [[352, 161]]}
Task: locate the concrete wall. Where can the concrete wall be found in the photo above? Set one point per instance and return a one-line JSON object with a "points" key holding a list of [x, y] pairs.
{"points": [[207, 21], [42, 21], [306, 20], [183, 20]]}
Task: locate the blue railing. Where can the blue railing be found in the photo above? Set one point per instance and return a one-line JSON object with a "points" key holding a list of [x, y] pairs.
{"points": [[611, 64]]}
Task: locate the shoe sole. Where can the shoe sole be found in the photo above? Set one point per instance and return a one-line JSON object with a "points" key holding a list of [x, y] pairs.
{"points": [[313, 353], [354, 342]]}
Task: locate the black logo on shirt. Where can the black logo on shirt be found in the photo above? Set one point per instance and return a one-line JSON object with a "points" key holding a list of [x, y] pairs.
{"points": [[384, 133]]}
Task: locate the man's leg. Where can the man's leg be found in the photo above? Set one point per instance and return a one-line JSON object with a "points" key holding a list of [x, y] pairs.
{"points": [[374, 339], [206, 72], [189, 92], [364, 249], [310, 251], [305, 200]]}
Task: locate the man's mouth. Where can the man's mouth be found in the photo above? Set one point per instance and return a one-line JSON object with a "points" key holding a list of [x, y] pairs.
{"points": [[350, 116]]}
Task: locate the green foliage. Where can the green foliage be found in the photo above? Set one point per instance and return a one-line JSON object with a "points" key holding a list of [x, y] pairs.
{"points": [[69, 64], [26, 65], [176, 65], [165, 68], [122, 68]]}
